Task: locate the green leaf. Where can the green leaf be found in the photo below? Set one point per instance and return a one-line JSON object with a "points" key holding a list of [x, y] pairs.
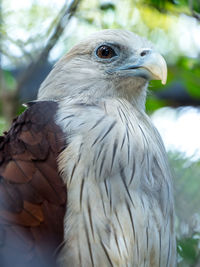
{"points": [[21, 109], [188, 249], [107, 6], [191, 78], [154, 103], [156, 85], [2, 125], [10, 81]]}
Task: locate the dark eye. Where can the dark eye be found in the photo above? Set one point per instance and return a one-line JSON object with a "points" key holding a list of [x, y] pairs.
{"points": [[105, 51]]}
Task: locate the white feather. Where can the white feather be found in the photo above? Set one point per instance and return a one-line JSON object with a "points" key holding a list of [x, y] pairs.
{"points": [[126, 191]]}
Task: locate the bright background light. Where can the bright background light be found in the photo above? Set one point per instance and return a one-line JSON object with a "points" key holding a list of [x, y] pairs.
{"points": [[180, 130]]}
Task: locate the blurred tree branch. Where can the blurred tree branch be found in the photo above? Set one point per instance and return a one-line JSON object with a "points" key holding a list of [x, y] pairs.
{"points": [[10, 99], [64, 17], [19, 44], [195, 14]]}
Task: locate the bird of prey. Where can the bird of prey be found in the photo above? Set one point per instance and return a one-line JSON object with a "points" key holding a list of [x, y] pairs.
{"points": [[84, 174]]}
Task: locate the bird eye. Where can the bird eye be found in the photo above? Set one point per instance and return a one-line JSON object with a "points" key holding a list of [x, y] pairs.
{"points": [[105, 51]]}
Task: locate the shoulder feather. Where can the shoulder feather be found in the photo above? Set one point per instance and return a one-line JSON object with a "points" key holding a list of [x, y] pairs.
{"points": [[32, 193]]}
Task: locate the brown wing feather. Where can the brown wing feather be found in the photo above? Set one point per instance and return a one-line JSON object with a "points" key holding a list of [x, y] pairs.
{"points": [[32, 194]]}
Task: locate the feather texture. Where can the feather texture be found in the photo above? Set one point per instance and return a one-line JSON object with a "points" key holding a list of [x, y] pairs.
{"points": [[32, 194], [120, 200]]}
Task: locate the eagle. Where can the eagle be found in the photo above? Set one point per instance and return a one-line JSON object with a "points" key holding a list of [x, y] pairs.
{"points": [[84, 175]]}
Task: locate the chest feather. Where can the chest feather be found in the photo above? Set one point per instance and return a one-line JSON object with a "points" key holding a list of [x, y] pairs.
{"points": [[120, 203]]}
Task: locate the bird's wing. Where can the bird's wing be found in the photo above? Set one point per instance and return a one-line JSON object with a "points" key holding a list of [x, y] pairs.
{"points": [[32, 194]]}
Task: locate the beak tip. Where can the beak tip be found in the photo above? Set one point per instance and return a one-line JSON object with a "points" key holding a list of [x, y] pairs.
{"points": [[157, 66], [164, 81], [164, 75]]}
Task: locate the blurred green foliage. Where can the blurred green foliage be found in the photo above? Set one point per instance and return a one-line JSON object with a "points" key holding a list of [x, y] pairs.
{"points": [[2, 125], [179, 5], [188, 250], [186, 175], [9, 80], [187, 185]]}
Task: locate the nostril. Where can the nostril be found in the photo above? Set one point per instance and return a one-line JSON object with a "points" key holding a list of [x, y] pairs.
{"points": [[144, 53]]}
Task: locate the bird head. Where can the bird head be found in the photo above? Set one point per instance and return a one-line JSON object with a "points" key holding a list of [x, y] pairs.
{"points": [[109, 63]]}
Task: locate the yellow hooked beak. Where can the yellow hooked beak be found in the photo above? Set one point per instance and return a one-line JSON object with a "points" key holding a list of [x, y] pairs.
{"points": [[148, 64], [156, 65]]}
